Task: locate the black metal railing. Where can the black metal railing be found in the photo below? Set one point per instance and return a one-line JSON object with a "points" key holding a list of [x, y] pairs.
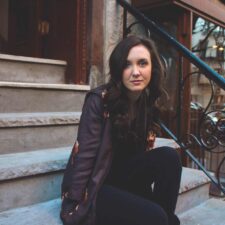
{"points": [[210, 133]]}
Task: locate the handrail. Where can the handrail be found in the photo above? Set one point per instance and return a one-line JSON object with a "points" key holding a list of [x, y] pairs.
{"points": [[204, 68]]}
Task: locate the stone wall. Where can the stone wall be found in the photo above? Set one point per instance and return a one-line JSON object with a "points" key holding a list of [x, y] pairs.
{"points": [[113, 33]]}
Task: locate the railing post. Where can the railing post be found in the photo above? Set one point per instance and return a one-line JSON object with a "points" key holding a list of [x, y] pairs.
{"points": [[184, 37], [179, 98]]}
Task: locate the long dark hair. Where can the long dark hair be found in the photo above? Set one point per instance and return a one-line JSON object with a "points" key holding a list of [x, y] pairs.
{"points": [[117, 98]]}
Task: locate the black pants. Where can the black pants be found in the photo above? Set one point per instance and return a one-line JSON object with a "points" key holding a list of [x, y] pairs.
{"points": [[128, 196]]}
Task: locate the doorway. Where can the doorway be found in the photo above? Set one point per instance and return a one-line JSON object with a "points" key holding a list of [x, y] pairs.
{"points": [[40, 28], [50, 29]]}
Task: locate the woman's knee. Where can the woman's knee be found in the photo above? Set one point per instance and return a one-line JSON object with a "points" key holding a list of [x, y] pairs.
{"points": [[122, 207], [170, 156], [158, 217], [167, 160], [148, 213]]}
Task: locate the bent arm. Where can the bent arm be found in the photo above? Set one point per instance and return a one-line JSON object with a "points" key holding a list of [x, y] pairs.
{"points": [[82, 159]]}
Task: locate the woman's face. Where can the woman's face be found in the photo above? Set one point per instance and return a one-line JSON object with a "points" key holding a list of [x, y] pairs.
{"points": [[137, 73]]}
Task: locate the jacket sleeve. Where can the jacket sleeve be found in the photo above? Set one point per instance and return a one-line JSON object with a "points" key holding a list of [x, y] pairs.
{"points": [[82, 159]]}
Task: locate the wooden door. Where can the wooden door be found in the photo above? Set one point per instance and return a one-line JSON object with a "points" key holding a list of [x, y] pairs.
{"points": [[24, 38], [59, 43], [60, 15], [53, 29]]}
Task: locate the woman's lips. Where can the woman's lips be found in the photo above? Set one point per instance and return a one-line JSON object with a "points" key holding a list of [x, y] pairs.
{"points": [[136, 82]]}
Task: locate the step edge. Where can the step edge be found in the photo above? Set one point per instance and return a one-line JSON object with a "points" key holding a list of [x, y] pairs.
{"points": [[200, 179], [181, 191], [16, 58], [13, 120], [69, 87], [56, 161]]}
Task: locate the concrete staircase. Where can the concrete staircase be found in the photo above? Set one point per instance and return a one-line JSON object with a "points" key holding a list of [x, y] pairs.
{"points": [[36, 176], [39, 115], [30, 189], [36, 115]]}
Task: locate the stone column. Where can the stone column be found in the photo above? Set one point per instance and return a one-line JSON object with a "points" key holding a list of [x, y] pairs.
{"points": [[113, 31], [112, 34]]}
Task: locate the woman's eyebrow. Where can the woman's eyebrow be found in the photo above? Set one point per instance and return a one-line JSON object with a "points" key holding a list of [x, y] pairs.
{"points": [[144, 59]]}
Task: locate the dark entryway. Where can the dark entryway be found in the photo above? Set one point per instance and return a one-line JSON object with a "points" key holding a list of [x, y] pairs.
{"points": [[53, 29]]}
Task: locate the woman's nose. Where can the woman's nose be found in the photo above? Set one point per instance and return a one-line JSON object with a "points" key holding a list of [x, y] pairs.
{"points": [[135, 71]]}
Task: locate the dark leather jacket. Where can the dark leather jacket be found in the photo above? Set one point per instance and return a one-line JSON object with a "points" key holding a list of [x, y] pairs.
{"points": [[89, 162]]}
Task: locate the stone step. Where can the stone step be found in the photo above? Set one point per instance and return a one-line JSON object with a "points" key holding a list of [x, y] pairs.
{"points": [[21, 132], [194, 189], [20, 171], [39, 214], [34, 70], [211, 212], [32, 177], [160, 142], [31, 97]]}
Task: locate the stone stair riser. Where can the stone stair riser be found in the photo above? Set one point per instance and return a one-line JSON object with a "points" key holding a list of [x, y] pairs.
{"points": [[46, 182], [44, 187], [39, 214], [211, 212], [14, 100], [32, 138], [21, 71], [29, 190], [192, 198]]}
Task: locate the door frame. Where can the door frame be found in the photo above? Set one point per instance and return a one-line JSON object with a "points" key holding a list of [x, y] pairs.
{"points": [[80, 64]]}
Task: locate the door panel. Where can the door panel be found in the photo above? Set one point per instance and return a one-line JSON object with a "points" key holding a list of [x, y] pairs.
{"points": [[60, 41], [23, 33]]}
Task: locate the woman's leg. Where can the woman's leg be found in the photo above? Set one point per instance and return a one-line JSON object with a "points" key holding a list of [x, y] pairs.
{"points": [[160, 166], [118, 207], [167, 182]]}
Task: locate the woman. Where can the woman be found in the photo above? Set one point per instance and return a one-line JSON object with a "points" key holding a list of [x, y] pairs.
{"points": [[115, 176]]}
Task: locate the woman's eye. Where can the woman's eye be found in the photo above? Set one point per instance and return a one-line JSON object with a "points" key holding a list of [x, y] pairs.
{"points": [[143, 62], [128, 64]]}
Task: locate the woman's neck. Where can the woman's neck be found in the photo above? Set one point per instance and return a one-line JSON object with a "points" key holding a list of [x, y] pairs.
{"points": [[133, 99], [133, 96]]}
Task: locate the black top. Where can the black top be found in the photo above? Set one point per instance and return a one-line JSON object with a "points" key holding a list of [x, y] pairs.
{"points": [[123, 151]]}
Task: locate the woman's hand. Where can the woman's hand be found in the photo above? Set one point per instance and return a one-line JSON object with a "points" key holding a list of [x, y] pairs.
{"points": [[68, 211]]}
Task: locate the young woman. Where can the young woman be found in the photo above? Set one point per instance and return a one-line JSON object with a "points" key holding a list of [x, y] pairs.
{"points": [[115, 176]]}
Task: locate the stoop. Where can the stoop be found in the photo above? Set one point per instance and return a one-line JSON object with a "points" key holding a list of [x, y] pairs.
{"points": [[193, 191], [31, 177], [211, 212]]}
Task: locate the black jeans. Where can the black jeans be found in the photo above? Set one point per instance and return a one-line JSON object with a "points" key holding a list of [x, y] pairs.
{"points": [[142, 190]]}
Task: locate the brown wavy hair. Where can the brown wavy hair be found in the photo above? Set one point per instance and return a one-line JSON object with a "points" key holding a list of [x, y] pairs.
{"points": [[117, 98]]}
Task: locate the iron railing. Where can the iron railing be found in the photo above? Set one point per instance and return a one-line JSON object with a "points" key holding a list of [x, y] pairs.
{"points": [[210, 133]]}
